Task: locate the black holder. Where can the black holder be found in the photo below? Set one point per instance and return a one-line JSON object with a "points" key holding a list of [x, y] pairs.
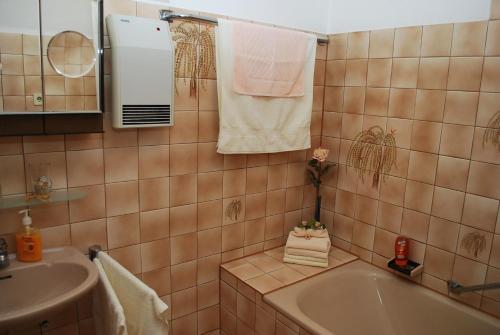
{"points": [[93, 251], [412, 269]]}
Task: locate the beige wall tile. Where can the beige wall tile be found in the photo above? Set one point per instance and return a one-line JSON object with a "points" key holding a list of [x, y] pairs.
{"points": [[381, 43], [337, 46], [335, 72], [155, 224], [477, 184], [12, 174], [379, 72], [357, 44], [418, 196], [87, 233], [122, 198], [11, 43], [426, 136], [389, 217], [377, 100], [439, 263], [469, 38], [85, 167], [154, 161], [123, 230], [443, 233], [456, 141], [121, 164], [402, 103], [334, 97], [480, 212], [183, 159], [452, 173], [407, 42], [447, 204], [433, 73], [465, 73], [481, 255], [356, 71], [404, 72], [430, 105], [491, 75], [422, 167], [461, 107], [436, 40], [185, 129], [89, 208]]}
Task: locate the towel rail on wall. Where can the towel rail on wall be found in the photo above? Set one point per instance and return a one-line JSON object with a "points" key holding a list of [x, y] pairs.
{"points": [[168, 15], [93, 251]]}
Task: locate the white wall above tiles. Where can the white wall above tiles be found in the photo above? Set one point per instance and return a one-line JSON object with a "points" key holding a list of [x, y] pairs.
{"points": [[322, 16], [361, 15], [334, 16], [310, 15]]}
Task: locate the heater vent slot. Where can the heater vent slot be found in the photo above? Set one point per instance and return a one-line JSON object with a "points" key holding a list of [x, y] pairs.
{"points": [[146, 114]]}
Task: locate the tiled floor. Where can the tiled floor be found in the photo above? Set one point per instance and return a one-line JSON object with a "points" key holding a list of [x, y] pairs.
{"points": [[266, 271]]}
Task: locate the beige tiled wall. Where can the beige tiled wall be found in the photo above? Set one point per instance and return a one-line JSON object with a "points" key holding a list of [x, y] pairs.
{"points": [[157, 196], [21, 78], [436, 87]]}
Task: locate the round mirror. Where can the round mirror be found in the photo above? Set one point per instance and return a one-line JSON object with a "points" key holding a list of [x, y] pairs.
{"points": [[71, 54]]}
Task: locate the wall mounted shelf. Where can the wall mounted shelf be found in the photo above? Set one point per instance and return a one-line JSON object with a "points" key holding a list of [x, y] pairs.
{"points": [[56, 196]]}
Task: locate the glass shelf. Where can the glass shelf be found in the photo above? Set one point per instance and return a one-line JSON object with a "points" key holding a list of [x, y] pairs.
{"points": [[56, 196]]}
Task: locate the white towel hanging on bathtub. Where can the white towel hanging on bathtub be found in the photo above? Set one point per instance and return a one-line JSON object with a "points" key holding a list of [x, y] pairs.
{"points": [[258, 124]]}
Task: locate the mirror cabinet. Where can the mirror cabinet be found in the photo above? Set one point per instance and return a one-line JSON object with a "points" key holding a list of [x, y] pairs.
{"points": [[51, 66]]}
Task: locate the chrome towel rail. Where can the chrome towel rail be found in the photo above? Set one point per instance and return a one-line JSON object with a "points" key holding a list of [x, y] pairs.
{"points": [[168, 15]]}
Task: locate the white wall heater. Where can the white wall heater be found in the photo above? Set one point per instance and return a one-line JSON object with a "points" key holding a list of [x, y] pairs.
{"points": [[142, 56]]}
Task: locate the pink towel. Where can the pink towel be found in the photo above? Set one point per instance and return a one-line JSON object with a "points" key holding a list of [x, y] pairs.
{"points": [[268, 61]]}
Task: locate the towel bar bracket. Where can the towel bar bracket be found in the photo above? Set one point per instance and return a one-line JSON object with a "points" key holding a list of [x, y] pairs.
{"points": [[93, 251]]}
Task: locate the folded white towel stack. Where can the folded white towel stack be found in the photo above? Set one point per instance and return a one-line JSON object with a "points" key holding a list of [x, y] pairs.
{"points": [[308, 247]]}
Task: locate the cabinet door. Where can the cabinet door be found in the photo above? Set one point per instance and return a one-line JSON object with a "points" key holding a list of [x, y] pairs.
{"points": [[71, 63], [20, 60]]}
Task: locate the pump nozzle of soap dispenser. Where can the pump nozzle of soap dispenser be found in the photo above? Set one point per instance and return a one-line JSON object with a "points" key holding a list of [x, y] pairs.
{"points": [[26, 220]]}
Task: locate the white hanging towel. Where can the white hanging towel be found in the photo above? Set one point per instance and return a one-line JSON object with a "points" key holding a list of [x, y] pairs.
{"points": [[145, 312], [260, 124], [109, 318]]}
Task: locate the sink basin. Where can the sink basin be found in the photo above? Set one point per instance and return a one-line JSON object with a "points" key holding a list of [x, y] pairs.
{"points": [[28, 290]]}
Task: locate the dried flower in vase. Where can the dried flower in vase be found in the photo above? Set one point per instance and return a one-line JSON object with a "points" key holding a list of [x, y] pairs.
{"points": [[233, 210], [372, 151], [315, 171], [474, 243], [194, 53], [492, 131]]}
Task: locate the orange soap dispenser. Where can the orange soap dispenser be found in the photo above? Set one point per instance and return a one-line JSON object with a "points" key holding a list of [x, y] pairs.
{"points": [[28, 240]]}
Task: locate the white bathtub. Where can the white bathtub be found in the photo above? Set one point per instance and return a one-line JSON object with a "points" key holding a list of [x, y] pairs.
{"points": [[359, 298]]}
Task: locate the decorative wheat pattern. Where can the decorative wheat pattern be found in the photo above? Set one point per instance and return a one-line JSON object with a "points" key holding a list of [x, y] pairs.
{"points": [[492, 132], [474, 243], [233, 210], [194, 53], [373, 151]]}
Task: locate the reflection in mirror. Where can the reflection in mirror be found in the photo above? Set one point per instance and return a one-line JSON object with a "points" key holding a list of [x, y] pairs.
{"points": [[20, 65], [71, 54], [71, 61]]}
